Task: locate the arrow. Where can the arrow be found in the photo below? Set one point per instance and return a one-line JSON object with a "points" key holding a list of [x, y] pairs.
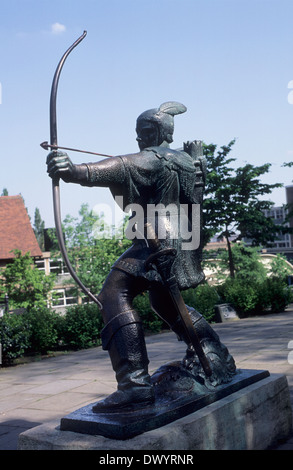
{"points": [[45, 145]]}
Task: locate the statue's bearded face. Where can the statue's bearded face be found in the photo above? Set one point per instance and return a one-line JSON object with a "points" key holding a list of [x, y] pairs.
{"points": [[147, 134]]}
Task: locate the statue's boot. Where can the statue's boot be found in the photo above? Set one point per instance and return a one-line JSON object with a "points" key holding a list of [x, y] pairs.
{"points": [[123, 337], [203, 331], [222, 363]]}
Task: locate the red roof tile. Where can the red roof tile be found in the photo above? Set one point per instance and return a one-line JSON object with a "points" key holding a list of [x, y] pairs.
{"points": [[16, 232]]}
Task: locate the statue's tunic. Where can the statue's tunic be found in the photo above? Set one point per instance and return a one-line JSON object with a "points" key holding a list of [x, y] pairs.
{"points": [[158, 176]]}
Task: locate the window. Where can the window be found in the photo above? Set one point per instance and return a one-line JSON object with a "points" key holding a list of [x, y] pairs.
{"points": [[58, 266], [40, 264], [64, 297]]}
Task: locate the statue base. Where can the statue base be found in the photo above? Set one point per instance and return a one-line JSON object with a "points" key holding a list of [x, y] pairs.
{"points": [[252, 418], [177, 394]]}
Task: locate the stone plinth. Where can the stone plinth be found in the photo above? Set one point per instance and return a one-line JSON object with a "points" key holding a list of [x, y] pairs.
{"points": [[252, 418]]}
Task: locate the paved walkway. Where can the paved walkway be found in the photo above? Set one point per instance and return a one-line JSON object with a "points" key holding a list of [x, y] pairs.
{"points": [[38, 392]]}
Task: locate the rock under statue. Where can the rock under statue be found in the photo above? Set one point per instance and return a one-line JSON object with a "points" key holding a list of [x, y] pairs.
{"points": [[161, 178]]}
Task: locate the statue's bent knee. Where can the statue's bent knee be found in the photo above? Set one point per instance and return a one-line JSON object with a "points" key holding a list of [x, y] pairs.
{"points": [[117, 322]]}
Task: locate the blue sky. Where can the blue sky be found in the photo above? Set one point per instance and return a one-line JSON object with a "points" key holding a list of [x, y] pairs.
{"points": [[229, 61]]}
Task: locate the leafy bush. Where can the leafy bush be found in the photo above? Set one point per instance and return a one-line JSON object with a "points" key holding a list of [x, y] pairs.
{"points": [[279, 294], [80, 327], [15, 337], [44, 334], [244, 296], [203, 298], [271, 294]]}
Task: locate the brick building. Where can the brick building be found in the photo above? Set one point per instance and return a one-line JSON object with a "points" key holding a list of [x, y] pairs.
{"points": [[16, 232]]}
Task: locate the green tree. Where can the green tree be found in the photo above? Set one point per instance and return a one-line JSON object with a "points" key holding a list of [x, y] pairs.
{"points": [[218, 174], [93, 246], [232, 206], [280, 267], [4, 192], [39, 226], [25, 285], [247, 263]]}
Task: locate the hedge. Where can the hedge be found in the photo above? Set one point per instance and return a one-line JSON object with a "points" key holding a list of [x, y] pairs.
{"points": [[40, 330], [250, 298]]}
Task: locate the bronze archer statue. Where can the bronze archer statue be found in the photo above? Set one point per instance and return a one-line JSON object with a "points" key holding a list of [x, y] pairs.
{"points": [[156, 177]]}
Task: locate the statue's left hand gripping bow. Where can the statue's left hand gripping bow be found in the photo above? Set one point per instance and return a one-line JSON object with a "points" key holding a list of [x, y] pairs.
{"points": [[55, 180]]}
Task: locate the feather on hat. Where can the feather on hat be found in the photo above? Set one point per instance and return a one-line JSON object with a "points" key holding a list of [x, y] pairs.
{"points": [[164, 118], [172, 107]]}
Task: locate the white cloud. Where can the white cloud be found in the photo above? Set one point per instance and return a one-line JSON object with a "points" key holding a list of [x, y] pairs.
{"points": [[58, 28]]}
